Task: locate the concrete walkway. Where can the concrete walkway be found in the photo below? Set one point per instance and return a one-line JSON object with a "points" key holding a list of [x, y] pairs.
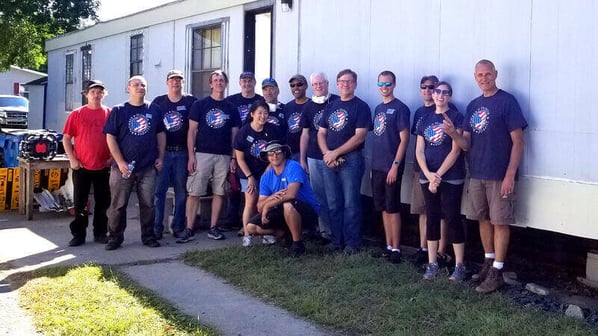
{"points": [[29, 245]]}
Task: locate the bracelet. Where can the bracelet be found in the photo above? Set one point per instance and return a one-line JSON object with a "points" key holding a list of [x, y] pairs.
{"points": [[233, 159], [396, 162], [250, 175]]}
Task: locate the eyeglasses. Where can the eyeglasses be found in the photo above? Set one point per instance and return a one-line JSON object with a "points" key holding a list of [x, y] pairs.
{"points": [[297, 85], [424, 86], [442, 92], [387, 84], [275, 152], [345, 81]]}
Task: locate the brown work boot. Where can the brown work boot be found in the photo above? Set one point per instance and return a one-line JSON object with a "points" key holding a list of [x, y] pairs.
{"points": [[481, 276], [494, 281]]}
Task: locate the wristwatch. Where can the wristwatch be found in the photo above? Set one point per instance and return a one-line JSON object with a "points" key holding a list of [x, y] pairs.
{"points": [[396, 162]]}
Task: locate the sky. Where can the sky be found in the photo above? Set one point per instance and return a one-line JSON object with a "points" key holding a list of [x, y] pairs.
{"points": [[111, 9]]}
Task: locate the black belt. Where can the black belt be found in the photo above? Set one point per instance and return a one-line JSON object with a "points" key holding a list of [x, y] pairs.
{"points": [[175, 148]]}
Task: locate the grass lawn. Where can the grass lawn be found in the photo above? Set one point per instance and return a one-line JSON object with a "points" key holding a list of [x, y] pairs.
{"points": [[93, 300], [360, 295]]}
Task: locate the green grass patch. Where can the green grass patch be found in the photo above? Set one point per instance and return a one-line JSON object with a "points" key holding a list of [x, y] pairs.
{"points": [[97, 300], [360, 295]]}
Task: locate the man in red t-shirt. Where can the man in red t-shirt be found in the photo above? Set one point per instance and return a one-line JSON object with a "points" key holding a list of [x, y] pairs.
{"points": [[89, 157]]}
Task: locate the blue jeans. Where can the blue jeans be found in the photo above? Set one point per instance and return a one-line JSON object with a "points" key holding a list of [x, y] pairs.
{"points": [[144, 182], [316, 179], [343, 185], [174, 172]]}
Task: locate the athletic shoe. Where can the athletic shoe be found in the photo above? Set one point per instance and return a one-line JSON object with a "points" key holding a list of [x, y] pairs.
{"points": [[493, 281], [297, 249], [112, 244], [380, 253], [268, 240], [178, 234], [458, 273], [431, 271], [76, 241], [188, 235], [158, 235], [348, 251], [420, 257], [101, 239], [481, 276], [395, 257], [247, 240], [215, 234], [151, 243]]}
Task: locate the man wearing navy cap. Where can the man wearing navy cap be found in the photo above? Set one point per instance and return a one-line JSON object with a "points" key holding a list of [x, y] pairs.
{"points": [[276, 114]]}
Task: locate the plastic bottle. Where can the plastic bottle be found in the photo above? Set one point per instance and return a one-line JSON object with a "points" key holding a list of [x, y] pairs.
{"points": [[131, 166]]}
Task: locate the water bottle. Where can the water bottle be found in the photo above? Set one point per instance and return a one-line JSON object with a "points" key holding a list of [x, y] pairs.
{"points": [[131, 166]]}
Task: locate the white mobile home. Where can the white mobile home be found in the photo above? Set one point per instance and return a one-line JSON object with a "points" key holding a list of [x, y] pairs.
{"points": [[543, 52]]}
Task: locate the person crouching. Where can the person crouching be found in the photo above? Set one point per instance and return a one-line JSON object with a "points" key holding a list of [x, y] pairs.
{"points": [[286, 201]]}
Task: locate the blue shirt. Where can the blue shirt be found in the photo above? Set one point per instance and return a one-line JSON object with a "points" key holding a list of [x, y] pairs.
{"points": [[292, 113], [389, 120], [175, 117], [342, 118], [438, 144], [243, 104], [490, 121], [216, 119], [135, 129], [292, 172], [312, 114]]}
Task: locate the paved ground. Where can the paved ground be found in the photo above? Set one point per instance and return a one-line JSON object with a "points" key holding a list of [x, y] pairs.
{"points": [[28, 245]]}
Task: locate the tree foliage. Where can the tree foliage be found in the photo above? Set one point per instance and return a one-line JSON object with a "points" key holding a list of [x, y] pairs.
{"points": [[26, 24]]}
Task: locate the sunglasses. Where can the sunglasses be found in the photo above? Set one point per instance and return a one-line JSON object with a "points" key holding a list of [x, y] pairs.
{"points": [[442, 92], [424, 86], [297, 85], [275, 152], [387, 84]]}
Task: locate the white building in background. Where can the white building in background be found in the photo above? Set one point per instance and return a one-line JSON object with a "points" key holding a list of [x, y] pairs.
{"points": [[544, 53], [11, 81]]}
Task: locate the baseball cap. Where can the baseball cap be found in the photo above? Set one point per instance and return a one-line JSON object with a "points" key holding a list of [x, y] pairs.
{"points": [[175, 73], [247, 74], [94, 83], [269, 82], [298, 77]]}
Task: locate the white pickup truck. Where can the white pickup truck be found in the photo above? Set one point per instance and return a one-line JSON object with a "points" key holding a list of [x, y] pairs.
{"points": [[14, 111]]}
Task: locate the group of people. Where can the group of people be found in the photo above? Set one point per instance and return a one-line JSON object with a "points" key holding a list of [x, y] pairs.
{"points": [[300, 164]]}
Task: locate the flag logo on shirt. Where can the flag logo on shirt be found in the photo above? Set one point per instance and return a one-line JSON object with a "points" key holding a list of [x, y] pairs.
{"points": [[173, 121], [215, 118], [317, 118], [293, 122], [434, 134], [380, 124], [243, 112], [139, 124], [480, 119], [257, 147], [273, 120], [338, 120]]}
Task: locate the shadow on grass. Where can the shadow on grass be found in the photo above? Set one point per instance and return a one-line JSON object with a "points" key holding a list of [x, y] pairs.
{"points": [[360, 295]]}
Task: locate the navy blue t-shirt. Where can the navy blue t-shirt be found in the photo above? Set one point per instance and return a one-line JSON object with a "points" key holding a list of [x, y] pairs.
{"points": [[342, 118], [175, 117], [490, 120], [216, 119], [243, 104], [439, 144], [292, 113], [312, 114], [417, 117], [277, 119], [251, 143], [135, 129], [389, 120]]}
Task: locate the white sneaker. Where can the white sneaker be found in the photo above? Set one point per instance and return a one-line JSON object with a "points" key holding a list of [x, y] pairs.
{"points": [[246, 241], [268, 240]]}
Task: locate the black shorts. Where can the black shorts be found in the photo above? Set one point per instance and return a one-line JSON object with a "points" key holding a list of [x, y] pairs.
{"points": [[387, 197], [309, 218]]}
